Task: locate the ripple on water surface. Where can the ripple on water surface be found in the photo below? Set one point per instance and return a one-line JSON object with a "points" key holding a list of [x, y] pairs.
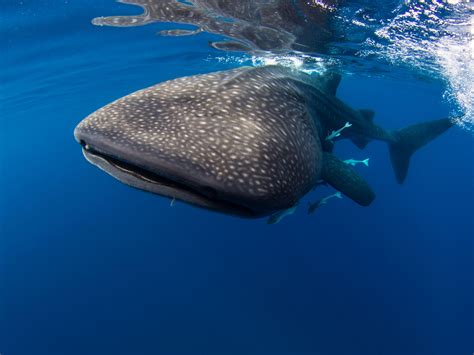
{"points": [[430, 39]]}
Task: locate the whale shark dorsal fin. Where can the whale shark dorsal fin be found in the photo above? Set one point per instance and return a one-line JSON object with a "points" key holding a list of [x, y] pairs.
{"points": [[367, 114], [330, 82], [345, 179]]}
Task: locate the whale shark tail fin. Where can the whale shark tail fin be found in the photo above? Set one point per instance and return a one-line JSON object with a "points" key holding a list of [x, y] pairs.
{"points": [[409, 139]]}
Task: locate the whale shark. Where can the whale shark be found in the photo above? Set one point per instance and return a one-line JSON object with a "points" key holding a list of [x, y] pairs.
{"points": [[249, 25], [247, 142]]}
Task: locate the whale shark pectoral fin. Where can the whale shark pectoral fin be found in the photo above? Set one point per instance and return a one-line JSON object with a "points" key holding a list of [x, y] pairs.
{"points": [[230, 46], [344, 179]]}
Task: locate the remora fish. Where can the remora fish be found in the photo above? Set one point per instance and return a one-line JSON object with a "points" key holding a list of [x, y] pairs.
{"points": [[248, 141], [278, 216]]}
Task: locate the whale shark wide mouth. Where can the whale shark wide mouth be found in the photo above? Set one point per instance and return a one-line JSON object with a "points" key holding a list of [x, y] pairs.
{"points": [[151, 181]]}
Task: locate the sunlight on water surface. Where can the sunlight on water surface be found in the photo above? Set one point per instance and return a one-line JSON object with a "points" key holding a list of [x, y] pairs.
{"points": [[429, 39], [436, 37]]}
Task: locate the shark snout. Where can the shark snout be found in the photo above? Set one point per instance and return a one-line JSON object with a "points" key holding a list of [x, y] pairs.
{"points": [[157, 170]]}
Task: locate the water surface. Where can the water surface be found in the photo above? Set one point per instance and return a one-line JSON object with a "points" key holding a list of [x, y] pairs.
{"points": [[90, 266]]}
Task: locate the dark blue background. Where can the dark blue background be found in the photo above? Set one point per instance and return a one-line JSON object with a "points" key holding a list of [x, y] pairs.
{"points": [[90, 266]]}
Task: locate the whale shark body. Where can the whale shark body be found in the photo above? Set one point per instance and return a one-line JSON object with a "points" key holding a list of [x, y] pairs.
{"points": [[247, 142]]}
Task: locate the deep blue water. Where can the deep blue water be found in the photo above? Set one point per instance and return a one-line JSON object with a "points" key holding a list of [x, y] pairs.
{"points": [[91, 266]]}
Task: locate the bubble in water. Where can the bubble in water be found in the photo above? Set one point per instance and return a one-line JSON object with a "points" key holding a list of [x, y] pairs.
{"points": [[436, 37], [457, 61], [456, 56], [297, 61]]}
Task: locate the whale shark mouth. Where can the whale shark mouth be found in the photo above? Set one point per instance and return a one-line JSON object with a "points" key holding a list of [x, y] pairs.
{"points": [[150, 181]]}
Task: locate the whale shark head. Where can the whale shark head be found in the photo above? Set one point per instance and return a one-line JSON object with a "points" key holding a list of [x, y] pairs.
{"points": [[240, 142]]}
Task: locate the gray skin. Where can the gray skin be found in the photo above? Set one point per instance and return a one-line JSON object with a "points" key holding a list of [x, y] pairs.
{"points": [[253, 25], [247, 142]]}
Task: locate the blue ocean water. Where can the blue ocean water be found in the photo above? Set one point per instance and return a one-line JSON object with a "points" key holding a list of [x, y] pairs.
{"points": [[91, 266]]}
